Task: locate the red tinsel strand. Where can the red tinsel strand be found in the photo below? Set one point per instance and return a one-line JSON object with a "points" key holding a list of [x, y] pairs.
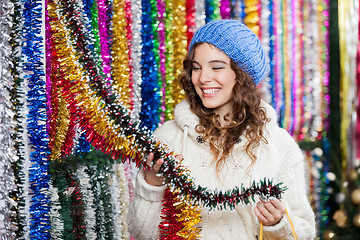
{"points": [[190, 19], [69, 139], [169, 227]]}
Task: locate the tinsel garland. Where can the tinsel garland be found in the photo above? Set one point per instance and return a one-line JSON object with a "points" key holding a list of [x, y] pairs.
{"points": [[136, 46], [252, 17], [176, 50], [151, 97], [88, 198], [138, 142], [266, 32], [57, 224], [8, 188], [120, 200], [121, 47], [38, 138], [190, 20], [179, 218], [199, 13], [225, 9], [104, 227], [212, 10], [17, 97], [103, 37], [161, 8]]}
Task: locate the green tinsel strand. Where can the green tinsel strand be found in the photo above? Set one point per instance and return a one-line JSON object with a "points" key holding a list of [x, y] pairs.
{"points": [[59, 178]]}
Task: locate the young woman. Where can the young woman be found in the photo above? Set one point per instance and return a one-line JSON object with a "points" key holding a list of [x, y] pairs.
{"points": [[228, 137]]}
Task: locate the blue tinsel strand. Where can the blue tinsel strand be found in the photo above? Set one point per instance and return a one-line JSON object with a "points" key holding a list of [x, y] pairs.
{"points": [[150, 92], [36, 123]]}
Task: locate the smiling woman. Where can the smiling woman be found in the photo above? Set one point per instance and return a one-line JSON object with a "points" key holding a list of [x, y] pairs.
{"points": [[229, 138]]}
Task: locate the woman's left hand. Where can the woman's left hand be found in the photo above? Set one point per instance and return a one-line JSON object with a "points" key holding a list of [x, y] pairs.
{"points": [[271, 212]]}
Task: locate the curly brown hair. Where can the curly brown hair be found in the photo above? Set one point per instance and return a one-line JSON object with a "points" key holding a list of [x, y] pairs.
{"points": [[247, 115]]}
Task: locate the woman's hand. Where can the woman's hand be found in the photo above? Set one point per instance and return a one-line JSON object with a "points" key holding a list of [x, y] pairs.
{"points": [[271, 212], [150, 174]]}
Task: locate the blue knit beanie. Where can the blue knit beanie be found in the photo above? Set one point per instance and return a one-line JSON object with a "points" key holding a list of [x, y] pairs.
{"points": [[238, 42]]}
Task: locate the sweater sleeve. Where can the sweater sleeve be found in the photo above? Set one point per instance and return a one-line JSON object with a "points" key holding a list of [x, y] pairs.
{"points": [[292, 175], [144, 211]]}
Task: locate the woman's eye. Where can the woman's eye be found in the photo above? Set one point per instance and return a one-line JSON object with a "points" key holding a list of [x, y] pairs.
{"points": [[218, 68], [195, 68]]}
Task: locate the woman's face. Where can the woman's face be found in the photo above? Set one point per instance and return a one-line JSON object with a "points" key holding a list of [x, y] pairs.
{"points": [[213, 78]]}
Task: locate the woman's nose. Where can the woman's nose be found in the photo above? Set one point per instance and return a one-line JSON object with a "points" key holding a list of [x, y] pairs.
{"points": [[205, 76]]}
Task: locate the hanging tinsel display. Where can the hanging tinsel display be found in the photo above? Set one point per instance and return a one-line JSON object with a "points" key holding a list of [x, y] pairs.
{"points": [[111, 63]]}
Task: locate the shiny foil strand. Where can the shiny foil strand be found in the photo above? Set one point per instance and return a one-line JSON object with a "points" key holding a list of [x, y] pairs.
{"points": [[212, 10], [265, 22], [8, 157], [169, 101], [130, 172], [151, 96], [17, 96], [317, 80], [135, 54], [77, 207], [348, 20], [89, 202], [199, 14], [161, 8], [326, 59], [103, 35], [176, 51], [190, 216], [277, 58], [119, 201], [295, 111], [225, 9], [190, 20], [308, 72], [36, 122], [302, 131], [57, 224], [120, 54]]}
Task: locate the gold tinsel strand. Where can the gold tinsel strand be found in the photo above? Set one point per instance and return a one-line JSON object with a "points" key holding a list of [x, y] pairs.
{"points": [[120, 54], [252, 18], [190, 216], [62, 126], [176, 49]]}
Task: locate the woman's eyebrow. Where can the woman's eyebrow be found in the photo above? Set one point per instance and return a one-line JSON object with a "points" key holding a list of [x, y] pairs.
{"points": [[211, 61]]}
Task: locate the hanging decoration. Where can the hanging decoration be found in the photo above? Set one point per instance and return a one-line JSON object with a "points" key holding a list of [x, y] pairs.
{"points": [[8, 157], [36, 122], [111, 70]]}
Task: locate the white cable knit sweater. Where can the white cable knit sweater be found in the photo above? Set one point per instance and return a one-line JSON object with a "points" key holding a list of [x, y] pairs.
{"points": [[280, 160]]}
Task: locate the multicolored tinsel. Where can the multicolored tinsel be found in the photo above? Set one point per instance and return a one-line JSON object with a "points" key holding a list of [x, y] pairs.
{"points": [[179, 219], [36, 122]]}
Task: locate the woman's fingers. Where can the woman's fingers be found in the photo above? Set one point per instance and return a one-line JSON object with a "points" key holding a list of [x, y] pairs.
{"points": [[271, 212], [151, 173]]}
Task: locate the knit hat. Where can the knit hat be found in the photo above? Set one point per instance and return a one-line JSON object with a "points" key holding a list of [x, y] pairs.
{"points": [[238, 42]]}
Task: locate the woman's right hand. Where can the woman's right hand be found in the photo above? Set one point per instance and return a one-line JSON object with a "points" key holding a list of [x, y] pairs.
{"points": [[153, 170]]}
